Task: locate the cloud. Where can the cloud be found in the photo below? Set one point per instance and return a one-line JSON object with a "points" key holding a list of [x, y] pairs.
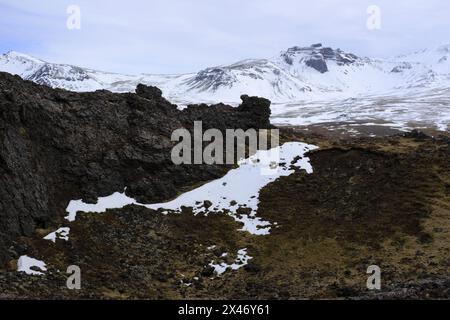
{"points": [[174, 36]]}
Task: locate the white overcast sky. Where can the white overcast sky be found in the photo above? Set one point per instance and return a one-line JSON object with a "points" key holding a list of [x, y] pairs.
{"points": [[176, 36]]}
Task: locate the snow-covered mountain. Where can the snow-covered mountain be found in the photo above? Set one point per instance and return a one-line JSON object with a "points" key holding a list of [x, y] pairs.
{"points": [[296, 76], [298, 73]]}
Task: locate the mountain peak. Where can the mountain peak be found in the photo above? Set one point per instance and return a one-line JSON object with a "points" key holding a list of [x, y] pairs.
{"points": [[15, 55], [316, 56]]}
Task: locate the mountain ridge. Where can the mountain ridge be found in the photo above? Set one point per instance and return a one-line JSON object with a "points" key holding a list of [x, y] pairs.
{"points": [[294, 74], [306, 85]]}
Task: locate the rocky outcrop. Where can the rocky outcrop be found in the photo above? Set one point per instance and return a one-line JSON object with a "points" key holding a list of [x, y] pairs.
{"points": [[57, 145], [316, 56], [402, 67], [317, 62]]}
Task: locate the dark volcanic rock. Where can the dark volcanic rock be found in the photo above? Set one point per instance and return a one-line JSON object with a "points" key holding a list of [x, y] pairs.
{"points": [[148, 92], [328, 53], [402, 67], [57, 145], [317, 62]]}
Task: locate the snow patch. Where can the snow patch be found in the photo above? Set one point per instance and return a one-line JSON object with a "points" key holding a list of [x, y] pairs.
{"points": [[238, 190], [61, 233], [403, 110], [26, 263], [241, 260], [115, 201], [236, 193]]}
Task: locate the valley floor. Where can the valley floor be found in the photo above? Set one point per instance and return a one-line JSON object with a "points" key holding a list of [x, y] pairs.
{"points": [[381, 200]]}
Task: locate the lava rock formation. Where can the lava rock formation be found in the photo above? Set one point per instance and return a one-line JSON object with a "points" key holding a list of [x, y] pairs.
{"points": [[56, 146]]}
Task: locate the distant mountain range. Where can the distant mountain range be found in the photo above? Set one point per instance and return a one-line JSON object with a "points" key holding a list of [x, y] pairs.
{"points": [[293, 77], [299, 73]]}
